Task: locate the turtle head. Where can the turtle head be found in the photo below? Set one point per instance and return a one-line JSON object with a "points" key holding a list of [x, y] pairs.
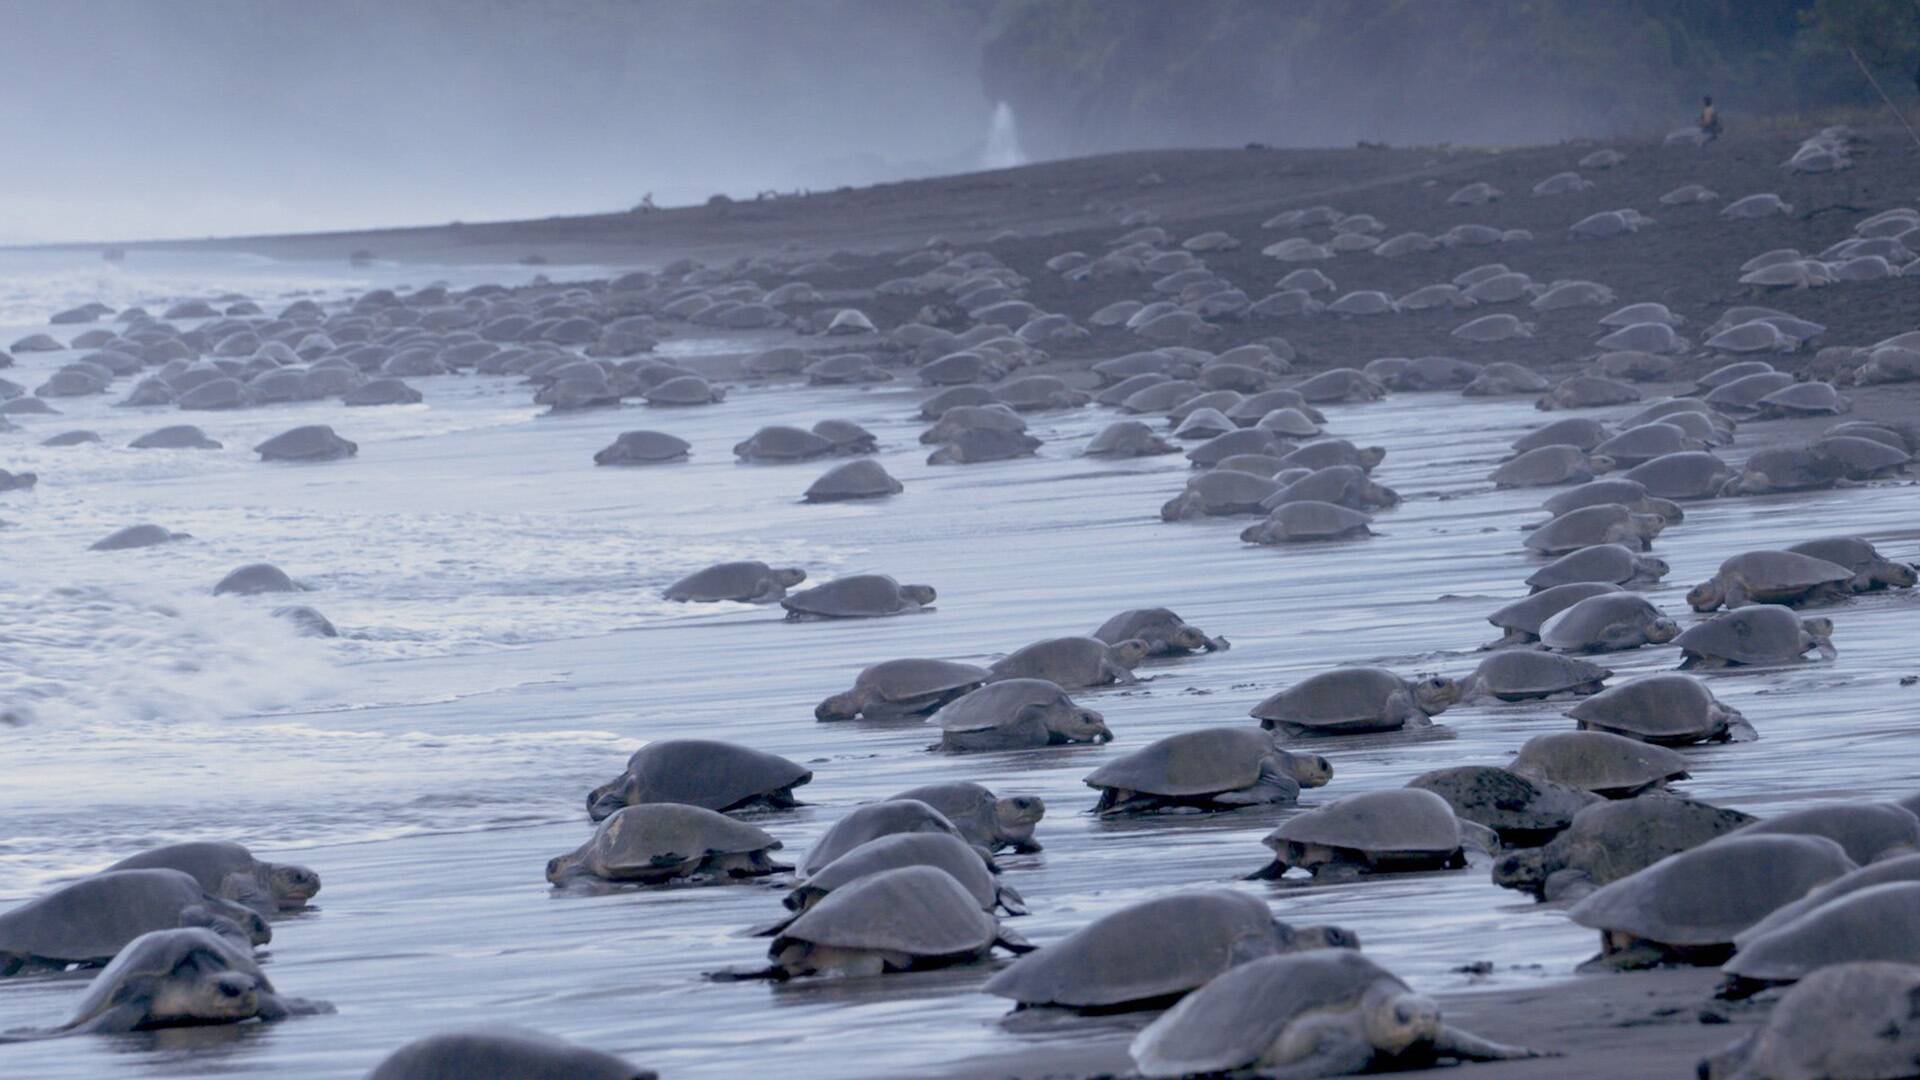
{"points": [[1014, 818], [919, 594], [788, 576], [1309, 770], [1075, 724], [561, 868], [1820, 630], [1396, 1021], [1301, 938], [1651, 566], [1186, 638], [1433, 693], [1900, 575], [1371, 456], [1525, 870], [604, 801], [1600, 463], [1660, 630], [202, 988], [842, 706], [292, 885], [234, 921], [1707, 595], [1129, 653], [1648, 526]]}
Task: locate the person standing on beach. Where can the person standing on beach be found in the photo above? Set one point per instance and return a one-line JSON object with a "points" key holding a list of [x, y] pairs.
{"points": [[1709, 119]]}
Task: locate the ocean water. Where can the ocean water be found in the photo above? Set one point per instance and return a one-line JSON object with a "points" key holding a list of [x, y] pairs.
{"points": [[505, 647]]}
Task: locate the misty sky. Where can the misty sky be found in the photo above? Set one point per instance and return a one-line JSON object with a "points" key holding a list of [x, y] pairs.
{"points": [[129, 119]]}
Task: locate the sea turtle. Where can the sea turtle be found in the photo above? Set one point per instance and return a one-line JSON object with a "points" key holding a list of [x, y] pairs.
{"points": [[1073, 663], [1610, 840], [1633, 365], [983, 818], [843, 369], [1341, 485], [962, 861], [1547, 466], [782, 442], [1128, 438], [1248, 411], [1694, 474], [1289, 422], [654, 843], [185, 977], [1867, 831], [683, 390], [1605, 523], [1519, 809], [501, 1052], [1871, 570], [863, 478], [1666, 709], [1895, 869], [1504, 377], [135, 536], [1391, 831], [1851, 457], [1315, 1014], [963, 418], [869, 821], [859, 596], [1638, 445], [1493, 328], [1351, 700], [1742, 396], [1614, 564], [1613, 622], [1208, 768], [1252, 440], [1586, 392], [1527, 675], [954, 397], [1323, 453], [1204, 424], [984, 444], [1606, 764], [230, 871], [1035, 393], [256, 578], [1576, 431], [1523, 618], [746, 581], [1337, 385], [1803, 399], [1308, 520], [1755, 634], [91, 920], [1628, 493], [311, 442], [1165, 633], [1849, 1018], [643, 448], [700, 772], [902, 919], [1219, 493], [896, 689], [1150, 953], [175, 437], [1689, 907], [1772, 577], [1016, 714], [846, 436]]}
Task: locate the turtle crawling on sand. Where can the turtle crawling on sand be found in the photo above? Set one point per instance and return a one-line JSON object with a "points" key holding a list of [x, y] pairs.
{"points": [[1850, 1019], [1610, 622], [91, 920], [897, 689], [1598, 761], [230, 871], [1391, 831], [654, 843], [1073, 663], [1210, 768], [1753, 635], [1527, 675], [700, 772], [1520, 810], [1668, 710], [859, 596], [986, 820], [747, 581], [501, 1052], [1352, 700], [963, 862], [1610, 840], [1325, 1013], [1871, 570], [1772, 577], [1015, 714], [1165, 633], [1523, 618]]}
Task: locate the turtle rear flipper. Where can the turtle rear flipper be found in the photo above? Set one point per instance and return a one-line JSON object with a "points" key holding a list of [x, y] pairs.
{"points": [[1013, 941]]}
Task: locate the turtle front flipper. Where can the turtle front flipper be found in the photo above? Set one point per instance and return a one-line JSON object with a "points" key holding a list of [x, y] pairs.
{"points": [[115, 1021], [274, 1007], [1451, 1042]]}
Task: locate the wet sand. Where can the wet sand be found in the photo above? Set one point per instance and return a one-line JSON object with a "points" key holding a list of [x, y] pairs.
{"points": [[477, 759]]}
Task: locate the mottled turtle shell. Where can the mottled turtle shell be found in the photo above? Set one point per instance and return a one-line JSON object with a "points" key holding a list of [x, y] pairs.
{"points": [[1397, 821], [1512, 805], [1145, 952], [1707, 895], [1599, 762]]}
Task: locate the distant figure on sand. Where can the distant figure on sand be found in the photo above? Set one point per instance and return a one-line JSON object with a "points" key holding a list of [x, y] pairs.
{"points": [[1709, 119]]}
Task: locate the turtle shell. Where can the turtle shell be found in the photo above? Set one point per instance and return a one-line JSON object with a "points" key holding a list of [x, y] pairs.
{"points": [[863, 478], [93, 919], [1516, 674], [643, 841], [643, 447], [153, 956], [1669, 709], [1595, 563], [1781, 573], [706, 773], [857, 596], [1192, 763], [1391, 822], [961, 860], [1754, 634], [1847, 1019], [1628, 493], [1527, 615], [1145, 952], [1597, 761], [1575, 431], [1512, 805], [781, 442], [743, 580], [1868, 831], [502, 1052], [912, 678], [870, 821], [1543, 466], [1585, 625], [1692, 474], [1352, 698], [1308, 520], [1707, 895], [919, 910]]}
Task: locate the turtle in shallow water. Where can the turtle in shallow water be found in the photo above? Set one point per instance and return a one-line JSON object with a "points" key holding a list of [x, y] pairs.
{"points": [[185, 977], [683, 390], [964, 862], [1606, 764], [1586, 392], [1209, 768], [1397, 830], [1128, 438], [1867, 831], [700, 772], [1522, 619], [312, 442], [1690, 474], [1352, 700], [502, 1053], [1666, 709], [1575, 431], [1015, 714], [1341, 485], [1772, 577], [91, 920], [1308, 520], [1803, 399], [847, 437], [1628, 493], [1849, 1019], [984, 444], [1613, 622], [1165, 633], [654, 843], [1607, 523], [1638, 445], [1073, 663], [1610, 840], [1219, 493], [256, 578], [903, 919], [1546, 466], [1316, 1014], [782, 442], [643, 448], [1614, 564], [896, 689], [869, 821], [859, 596], [175, 437], [1150, 953], [984, 819], [1527, 675], [136, 536], [747, 581], [1871, 570], [1753, 635], [863, 478], [1689, 907], [230, 871], [1519, 809]]}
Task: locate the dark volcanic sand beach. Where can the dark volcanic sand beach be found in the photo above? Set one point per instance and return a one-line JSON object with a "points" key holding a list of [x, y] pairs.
{"points": [[473, 762]]}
